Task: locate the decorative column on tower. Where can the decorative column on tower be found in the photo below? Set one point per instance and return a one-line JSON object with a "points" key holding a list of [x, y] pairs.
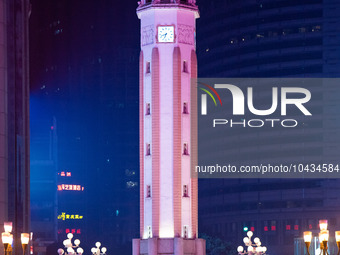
{"points": [[168, 129]]}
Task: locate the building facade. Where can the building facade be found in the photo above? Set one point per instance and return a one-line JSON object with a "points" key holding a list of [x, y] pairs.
{"points": [[273, 39], [168, 129], [14, 121]]}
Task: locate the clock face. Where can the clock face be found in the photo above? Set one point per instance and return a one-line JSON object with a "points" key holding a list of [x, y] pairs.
{"points": [[166, 34]]}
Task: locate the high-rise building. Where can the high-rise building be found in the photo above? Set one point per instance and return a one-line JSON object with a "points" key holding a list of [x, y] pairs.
{"points": [[14, 118], [273, 39], [168, 129], [84, 72], [44, 165]]}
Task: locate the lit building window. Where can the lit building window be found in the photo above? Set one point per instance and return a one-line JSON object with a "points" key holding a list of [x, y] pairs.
{"points": [[185, 149], [302, 30], [147, 109], [131, 184], [185, 108], [148, 149], [148, 67]]}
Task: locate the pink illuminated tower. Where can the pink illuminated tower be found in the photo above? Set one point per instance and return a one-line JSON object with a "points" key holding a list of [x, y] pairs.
{"points": [[168, 129]]}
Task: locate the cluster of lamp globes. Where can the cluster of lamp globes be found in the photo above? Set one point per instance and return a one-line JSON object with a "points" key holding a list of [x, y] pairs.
{"points": [[323, 237], [76, 250], [256, 248], [7, 238]]}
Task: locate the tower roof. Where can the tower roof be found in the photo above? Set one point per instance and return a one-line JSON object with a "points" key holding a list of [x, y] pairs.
{"points": [[143, 4]]}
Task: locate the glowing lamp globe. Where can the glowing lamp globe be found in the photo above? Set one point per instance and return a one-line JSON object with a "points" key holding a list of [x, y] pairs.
{"points": [[93, 250], [240, 249], [5, 236], [323, 224], [307, 236], [264, 248], [256, 240], [246, 240], [25, 238], [77, 242], [250, 249], [69, 235], [70, 250], [60, 251], [249, 234], [8, 227], [337, 236], [80, 251], [10, 239], [98, 244], [324, 235]]}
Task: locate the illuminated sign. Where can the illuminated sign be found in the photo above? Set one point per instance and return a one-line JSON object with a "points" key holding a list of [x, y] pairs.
{"points": [[67, 174], [64, 216], [69, 230], [70, 187]]}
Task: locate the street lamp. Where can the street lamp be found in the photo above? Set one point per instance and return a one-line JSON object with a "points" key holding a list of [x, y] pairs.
{"points": [[256, 248], [323, 238], [25, 238], [96, 250], [70, 248], [307, 236], [7, 238]]}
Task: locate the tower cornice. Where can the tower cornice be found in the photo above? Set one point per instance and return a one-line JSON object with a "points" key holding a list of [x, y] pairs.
{"points": [[158, 5]]}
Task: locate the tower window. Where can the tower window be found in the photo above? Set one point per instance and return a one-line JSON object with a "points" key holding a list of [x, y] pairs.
{"points": [[185, 66], [149, 232], [185, 108], [185, 231], [148, 149], [185, 149], [185, 191], [148, 191], [147, 109], [148, 67]]}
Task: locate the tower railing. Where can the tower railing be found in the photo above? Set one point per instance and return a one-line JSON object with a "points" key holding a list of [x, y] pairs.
{"points": [[184, 2]]}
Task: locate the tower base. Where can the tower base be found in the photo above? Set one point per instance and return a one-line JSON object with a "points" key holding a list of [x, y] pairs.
{"points": [[168, 246]]}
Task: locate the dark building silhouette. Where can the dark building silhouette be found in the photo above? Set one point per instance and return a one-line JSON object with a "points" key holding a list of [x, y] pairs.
{"points": [[273, 39], [14, 118]]}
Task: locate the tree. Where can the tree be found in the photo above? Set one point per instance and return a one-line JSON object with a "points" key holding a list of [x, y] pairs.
{"points": [[217, 246]]}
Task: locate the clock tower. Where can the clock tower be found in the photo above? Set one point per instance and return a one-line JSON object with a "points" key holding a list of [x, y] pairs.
{"points": [[168, 129]]}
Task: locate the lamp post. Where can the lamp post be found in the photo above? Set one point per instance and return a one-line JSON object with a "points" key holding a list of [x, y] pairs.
{"points": [[323, 238], [256, 248], [96, 250], [70, 248], [7, 239], [307, 236]]}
